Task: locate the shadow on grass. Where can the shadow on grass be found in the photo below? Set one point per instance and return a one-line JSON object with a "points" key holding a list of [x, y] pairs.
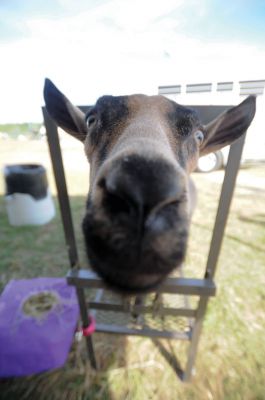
{"points": [[257, 219], [232, 237], [170, 357], [254, 190]]}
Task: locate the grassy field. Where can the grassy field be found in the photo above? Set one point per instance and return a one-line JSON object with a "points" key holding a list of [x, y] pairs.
{"points": [[14, 130], [230, 362]]}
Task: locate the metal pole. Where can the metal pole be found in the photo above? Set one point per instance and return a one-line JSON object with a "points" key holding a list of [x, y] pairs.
{"points": [[195, 336], [84, 315], [215, 246], [58, 170], [226, 196]]}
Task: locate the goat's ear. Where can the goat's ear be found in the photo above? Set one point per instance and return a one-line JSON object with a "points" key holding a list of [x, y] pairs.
{"points": [[66, 115], [229, 126]]}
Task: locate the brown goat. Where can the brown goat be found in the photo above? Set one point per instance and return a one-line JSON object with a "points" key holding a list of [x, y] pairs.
{"points": [[141, 151]]}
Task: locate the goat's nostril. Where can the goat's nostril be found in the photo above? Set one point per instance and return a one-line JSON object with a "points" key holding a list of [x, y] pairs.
{"points": [[102, 183], [117, 204], [118, 195], [140, 192], [114, 200]]}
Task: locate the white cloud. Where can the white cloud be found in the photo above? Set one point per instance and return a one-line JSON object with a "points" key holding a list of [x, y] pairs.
{"points": [[117, 47]]}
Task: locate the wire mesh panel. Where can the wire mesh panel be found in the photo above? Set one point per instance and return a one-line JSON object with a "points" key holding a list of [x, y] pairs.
{"points": [[164, 314], [157, 313]]}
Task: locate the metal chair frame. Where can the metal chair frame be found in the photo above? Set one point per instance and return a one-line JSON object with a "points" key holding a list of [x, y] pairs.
{"points": [[203, 288]]}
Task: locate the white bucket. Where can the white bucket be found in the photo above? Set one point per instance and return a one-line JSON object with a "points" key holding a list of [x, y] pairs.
{"points": [[23, 209], [28, 200]]}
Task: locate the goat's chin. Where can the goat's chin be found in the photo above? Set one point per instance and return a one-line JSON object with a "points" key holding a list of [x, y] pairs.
{"points": [[130, 260]]}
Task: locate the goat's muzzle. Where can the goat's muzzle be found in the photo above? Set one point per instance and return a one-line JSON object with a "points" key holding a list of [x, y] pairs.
{"points": [[136, 232]]}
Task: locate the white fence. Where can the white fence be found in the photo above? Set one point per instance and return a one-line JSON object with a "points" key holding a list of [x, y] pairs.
{"points": [[230, 93]]}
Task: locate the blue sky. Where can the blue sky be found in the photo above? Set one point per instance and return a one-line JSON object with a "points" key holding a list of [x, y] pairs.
{"points": [[94, 47], [240, 20]]}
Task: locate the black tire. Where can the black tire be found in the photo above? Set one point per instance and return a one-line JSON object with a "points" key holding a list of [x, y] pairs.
{"points": [[210, 162]]}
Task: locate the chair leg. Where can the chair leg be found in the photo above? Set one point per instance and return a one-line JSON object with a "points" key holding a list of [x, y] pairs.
{"points": [[195, 336], [91, 353], [85, 322]]}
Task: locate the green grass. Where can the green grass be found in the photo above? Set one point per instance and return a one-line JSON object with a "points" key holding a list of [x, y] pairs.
{"points": [[27, 252], [27, 129], [230, 362]]}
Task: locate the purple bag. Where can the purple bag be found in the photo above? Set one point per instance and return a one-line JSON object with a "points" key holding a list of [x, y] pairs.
{"points": [[38, 318]]}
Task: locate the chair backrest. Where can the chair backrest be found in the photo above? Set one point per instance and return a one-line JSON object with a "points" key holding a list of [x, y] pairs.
{"points": [[202, 288]]}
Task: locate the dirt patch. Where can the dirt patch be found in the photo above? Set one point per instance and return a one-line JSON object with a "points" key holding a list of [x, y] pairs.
{"points": [[38, 305]]}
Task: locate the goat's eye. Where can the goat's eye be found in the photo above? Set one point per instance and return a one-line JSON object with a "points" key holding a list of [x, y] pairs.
{"points": [[199, 135], [91, 120]]}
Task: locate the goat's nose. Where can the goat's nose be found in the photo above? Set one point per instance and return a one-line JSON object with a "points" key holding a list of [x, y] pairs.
{"points": [[138, 184]]}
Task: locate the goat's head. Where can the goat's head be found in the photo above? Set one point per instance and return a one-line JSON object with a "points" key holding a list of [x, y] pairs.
{"points": [[141, 150]]}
